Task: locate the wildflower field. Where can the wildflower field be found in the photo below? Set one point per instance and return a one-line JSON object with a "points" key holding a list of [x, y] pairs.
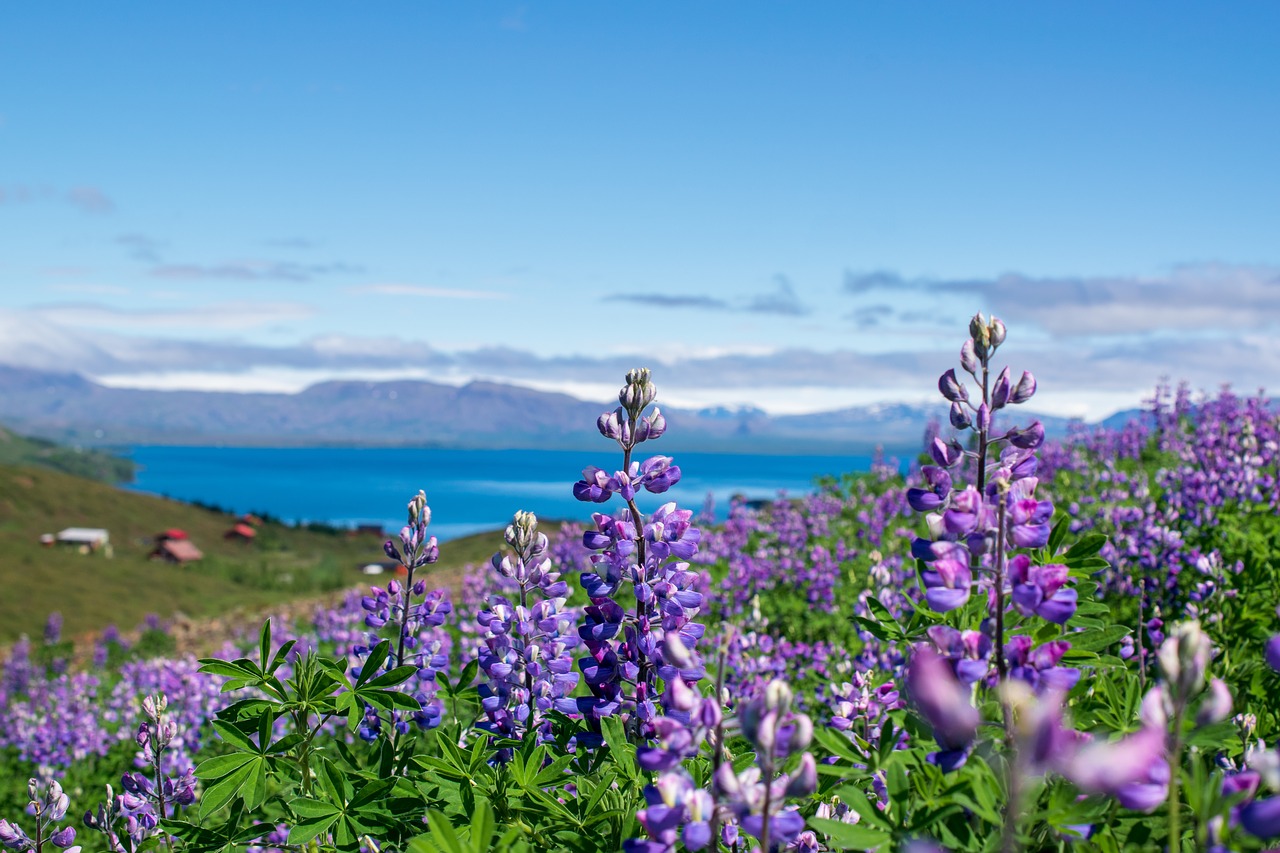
{"points": [[1022, 644]]}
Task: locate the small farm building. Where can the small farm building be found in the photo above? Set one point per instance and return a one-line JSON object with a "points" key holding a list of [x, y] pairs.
{"points": [[176, 551], [241, 531], [91, 537]]}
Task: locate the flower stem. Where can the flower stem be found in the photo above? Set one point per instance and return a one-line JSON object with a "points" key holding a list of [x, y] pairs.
{"points": [[1175, 777]]}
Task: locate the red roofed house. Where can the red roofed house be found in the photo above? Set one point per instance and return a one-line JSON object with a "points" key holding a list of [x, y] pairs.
{"points": [[241, 531], [176, 551]]}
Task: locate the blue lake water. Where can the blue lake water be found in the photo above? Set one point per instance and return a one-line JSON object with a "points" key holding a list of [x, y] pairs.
{"points": [[468, 490]]}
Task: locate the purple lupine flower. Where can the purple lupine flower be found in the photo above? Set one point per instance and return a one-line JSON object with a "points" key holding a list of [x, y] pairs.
{"points": [[949, 579], [1041, 590], [1133, 769], [968, 652], [48, 805], [935, 496], [418, 639], [627, 643], [526, 644], [676, 810], [1038, 667], [1272, 653], [944, 703]]}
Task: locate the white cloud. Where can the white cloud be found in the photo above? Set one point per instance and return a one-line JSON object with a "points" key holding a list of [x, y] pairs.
{"points": [[222, 315], [1190, 298], [423, 290]]}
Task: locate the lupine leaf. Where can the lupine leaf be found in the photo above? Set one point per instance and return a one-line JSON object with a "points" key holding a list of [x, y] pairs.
{"points": [[845, 836]]}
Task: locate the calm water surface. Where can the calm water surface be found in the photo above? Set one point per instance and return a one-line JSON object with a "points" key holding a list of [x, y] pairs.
{"points": [[469, 490]]}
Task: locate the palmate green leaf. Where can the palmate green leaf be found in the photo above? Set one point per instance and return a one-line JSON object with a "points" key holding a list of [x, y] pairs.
{"points": [[264, 646], [554, 773], [857, 801], [234, 736], [443, 837], [255, 788], [228, 669], [1087, 546], [245, 709], [219, 766], [308, 828], [483, 827], [372, 792], [1096, 640], [1058, 533], [309, 808], [334, 782], [846, 836], [374, 662], [225, 790], [399, 675]]}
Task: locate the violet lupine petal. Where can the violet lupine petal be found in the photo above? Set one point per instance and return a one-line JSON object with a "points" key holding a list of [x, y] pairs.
{"points": [[1272, 652], [941, 699], [1261, 818]]}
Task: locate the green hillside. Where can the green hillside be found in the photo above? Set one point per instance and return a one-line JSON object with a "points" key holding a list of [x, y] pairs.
{"points": [[92, 590], [94, 464]]}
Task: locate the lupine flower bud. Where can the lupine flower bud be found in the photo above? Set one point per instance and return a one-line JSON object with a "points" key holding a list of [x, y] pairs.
{"points": [[969, 358], [1184, 658], [521, 532], [1000, 392], [959, 417], [978, 327], [64, 837], [419, 512], [778, 696], [946, 454], [154, 706], [1024, 390], [675, 651], [657, 424], [1216, 706], [996, 332], [1027, 439], [805, 780], [56, 803], [638, 392], [983, 419], [610, 423], [951, 388], [1154, 711], [13, 837]]}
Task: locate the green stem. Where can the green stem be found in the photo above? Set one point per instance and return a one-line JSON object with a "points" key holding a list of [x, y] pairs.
{"points": [[1175, 777]]}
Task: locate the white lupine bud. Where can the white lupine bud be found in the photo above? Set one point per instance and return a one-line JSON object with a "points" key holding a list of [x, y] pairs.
{"points": [[996, 332], [778, 696]]}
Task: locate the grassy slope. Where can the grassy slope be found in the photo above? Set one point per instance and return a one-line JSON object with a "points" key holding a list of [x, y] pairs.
{"points": [[94, 464], [92, 591]]}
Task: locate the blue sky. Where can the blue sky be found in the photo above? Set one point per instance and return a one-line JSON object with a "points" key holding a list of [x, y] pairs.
{"points": [[792, 205]]}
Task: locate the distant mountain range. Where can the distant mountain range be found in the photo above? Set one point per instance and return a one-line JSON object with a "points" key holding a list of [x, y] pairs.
{"points": [[70, 408]]}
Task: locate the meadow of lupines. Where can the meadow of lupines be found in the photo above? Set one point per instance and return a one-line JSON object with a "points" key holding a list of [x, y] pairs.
{"points": [[1021, 645]]}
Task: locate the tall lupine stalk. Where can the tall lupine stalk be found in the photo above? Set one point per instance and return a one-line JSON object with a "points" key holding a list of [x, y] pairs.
{"points": [[758, 795], [147, 800], [48, 805], [624, 674], [526, 645], [396, 607], [977, 530]]}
